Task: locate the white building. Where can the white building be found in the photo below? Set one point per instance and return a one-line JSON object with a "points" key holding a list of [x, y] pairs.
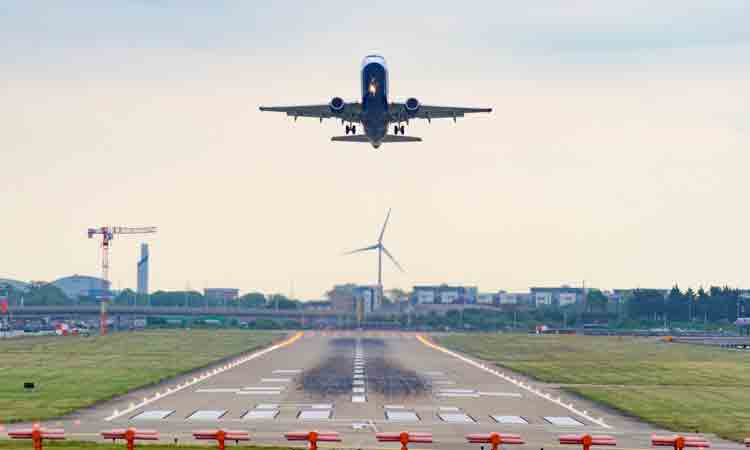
{"points": [[486, 298], [543, 299]]}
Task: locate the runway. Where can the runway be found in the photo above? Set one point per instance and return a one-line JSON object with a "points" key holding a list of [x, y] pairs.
{"points": [[360, 383]]}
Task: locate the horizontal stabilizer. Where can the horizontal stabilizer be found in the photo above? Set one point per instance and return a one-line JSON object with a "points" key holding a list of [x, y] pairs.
{"points": [[395, 138], [352, 138], [387, 138]]}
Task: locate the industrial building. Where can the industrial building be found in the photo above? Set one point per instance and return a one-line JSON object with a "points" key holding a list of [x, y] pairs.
{"points": [[556, 296], [77, 286], [345, 298], [444, 294]]}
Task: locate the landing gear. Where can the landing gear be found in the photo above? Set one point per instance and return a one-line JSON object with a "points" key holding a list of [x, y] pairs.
{"points": [[398, 129], [402, 129], [351, 129]]}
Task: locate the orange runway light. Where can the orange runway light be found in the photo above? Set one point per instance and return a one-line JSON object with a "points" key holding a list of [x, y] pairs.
{"points": [[221, 436], [587, 440], [130, 435], [679, 442], [38, 435], [494, 438], [313, 437], [405, 438]]}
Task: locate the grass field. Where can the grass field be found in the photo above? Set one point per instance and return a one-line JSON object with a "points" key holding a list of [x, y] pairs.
{"points": [[677, 386], [74, 372], [74, 445]]}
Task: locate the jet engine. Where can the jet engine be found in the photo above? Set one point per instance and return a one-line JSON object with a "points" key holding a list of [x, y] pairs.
{"points": [[337, 104], [412, 104]]}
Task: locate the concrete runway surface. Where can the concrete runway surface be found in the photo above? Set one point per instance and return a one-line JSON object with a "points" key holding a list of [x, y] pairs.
{"points": [[325, 381]]}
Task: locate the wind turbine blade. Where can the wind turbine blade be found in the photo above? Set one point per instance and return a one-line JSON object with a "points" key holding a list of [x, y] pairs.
{"points": [[382, 232], [385, 250], [363, 249]]}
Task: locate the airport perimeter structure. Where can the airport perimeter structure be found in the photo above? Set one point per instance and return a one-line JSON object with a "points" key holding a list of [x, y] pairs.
{"points": [[359, 384]]}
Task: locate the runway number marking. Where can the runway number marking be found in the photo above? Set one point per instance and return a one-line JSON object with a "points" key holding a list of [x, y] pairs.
{"points": [[515, 382]]}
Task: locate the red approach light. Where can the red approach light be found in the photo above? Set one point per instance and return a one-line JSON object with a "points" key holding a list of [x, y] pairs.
{"points": [[405, 438], [222, 435], [313, 437], [586, 440], [130, 435], [494, 438], [37, 435], [679, 442]]}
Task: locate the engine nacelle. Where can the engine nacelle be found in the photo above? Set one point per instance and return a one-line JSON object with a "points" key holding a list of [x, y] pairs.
{"points": [[337, 104], [412, 104]]}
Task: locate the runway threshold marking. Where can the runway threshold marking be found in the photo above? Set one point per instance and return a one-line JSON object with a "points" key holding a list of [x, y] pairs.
{"points": [[520, 384], [204, 376]]}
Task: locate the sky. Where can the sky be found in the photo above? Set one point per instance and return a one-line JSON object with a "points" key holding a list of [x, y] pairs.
{"points": [[616, 154]]}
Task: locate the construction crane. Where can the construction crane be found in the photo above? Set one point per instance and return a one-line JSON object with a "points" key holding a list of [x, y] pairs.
{"points": [[108, 233]]}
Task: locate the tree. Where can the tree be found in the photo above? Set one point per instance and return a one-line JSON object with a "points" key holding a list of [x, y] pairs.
{"points": [[596, 301], [252, 300]]}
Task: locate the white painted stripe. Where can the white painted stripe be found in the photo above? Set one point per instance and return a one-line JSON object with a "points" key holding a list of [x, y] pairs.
{"points": [[501, 394], [457, 395], [263, 388], [524, 386], [202, 377], [359, 399], [275, 380], [217, 391], [259, 393]]}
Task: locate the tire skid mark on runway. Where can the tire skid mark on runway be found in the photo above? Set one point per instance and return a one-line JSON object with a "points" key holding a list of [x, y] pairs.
{"points": [[513, 381], [206, 375]]}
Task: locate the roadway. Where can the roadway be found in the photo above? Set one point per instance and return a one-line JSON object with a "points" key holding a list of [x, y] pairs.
{"points": [[264, 395]]}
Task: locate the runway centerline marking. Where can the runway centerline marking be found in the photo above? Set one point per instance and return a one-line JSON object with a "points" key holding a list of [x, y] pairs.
{"points": [[206, 375], [513, 381]]}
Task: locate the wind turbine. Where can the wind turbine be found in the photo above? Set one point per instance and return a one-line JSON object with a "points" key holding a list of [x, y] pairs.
{"points": [[381, 249]]}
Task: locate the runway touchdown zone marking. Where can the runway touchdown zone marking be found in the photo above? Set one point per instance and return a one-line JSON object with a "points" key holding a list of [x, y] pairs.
{"points": [[204, 376]]}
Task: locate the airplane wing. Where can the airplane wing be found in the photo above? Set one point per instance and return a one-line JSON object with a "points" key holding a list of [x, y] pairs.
{"points": [[350, 112], [399, 112]]}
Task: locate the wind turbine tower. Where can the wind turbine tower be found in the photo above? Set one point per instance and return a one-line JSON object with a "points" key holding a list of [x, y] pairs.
{"points": [[381, 249]]}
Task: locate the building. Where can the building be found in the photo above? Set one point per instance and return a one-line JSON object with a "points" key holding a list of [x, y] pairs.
{"points": [[342, 298], [142, 288], [14, 284], [77, 286], [444, 294], [369, 296], [556, 296], [424, 295], [486, 298], [221, 294]]}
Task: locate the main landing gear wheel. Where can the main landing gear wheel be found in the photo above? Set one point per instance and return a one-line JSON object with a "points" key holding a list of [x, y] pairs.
{"points": [[351, 129], [395, 129], [402, 129]]}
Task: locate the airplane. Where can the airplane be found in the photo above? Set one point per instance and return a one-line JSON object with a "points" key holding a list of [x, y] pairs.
{"points": [[374, 112]]}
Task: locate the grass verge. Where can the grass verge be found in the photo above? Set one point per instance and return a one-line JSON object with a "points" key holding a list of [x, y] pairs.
{"points": [[676, 386], [74, 372]]}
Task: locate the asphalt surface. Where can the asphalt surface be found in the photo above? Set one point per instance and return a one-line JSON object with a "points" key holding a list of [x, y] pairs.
{"points": [[264, 395]]}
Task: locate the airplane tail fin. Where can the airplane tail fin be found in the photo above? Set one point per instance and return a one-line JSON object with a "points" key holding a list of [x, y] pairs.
{"points": [[388, 138]]}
